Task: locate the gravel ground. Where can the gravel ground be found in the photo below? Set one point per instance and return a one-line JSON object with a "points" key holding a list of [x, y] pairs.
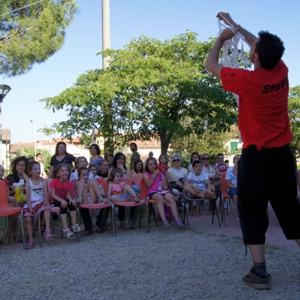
{"points": [[165, 264]]}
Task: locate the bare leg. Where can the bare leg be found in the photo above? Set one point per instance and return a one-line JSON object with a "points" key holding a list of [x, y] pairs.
{"points": [[47, 215], [115, 198], [93, 188], [173, 205], [298, 242], [73, 217], [235, 200], [129, 190], [258, 253], [160, 206], [29, 228], [63, 218]]}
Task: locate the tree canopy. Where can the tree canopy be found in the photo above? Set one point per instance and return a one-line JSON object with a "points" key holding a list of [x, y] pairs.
{"points": [[148, 89], [31, 34], [294, 114]]}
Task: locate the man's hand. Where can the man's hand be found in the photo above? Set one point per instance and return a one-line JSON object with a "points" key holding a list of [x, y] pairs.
{"points": [[226, 34], [226, 18]]}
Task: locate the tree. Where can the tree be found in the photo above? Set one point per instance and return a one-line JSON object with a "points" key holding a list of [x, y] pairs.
{"points": [[29, 152], [294, 114], [31, 34], [149, 87]]}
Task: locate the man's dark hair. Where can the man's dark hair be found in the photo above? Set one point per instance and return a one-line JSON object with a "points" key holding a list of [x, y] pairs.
{"points": [[270, 49], [134, 144]]}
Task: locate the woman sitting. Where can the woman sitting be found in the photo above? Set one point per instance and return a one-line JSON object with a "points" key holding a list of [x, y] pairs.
{"points": [[231, 178]]}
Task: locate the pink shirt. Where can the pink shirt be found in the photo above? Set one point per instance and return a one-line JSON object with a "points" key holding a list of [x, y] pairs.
{"points": [[155, 185]]}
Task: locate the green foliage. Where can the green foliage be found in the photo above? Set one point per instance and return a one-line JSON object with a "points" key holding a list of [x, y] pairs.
{"points": [[210, 142], [294, 114], [149, 88], [32, 34], [29, 152]]}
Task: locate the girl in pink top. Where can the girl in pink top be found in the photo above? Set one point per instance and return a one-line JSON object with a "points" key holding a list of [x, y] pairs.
{"points": [[158, 190]]}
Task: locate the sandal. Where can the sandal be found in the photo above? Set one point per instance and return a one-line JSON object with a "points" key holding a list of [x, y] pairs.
{"points": [[17, 238], [104, 200], [124, 225], [79, 200], [179, 225], [77, 228], [136, 199], [48, 235], [68, 233], [165, 223], [30, 244]]}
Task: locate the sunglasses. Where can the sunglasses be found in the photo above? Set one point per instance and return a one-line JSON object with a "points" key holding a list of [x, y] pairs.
{"points": [[174, 160], [205, 158]]}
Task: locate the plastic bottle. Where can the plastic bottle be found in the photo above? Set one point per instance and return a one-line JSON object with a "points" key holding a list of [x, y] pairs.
{"points": [[160, 185]]}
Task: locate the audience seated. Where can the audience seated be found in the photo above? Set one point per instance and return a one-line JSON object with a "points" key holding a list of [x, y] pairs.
{"points": [[177, 174], [231, 178]]}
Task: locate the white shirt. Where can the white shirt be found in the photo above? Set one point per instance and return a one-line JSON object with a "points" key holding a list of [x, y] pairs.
{"points": [[231, 176], [182, 173], [199, 181]]}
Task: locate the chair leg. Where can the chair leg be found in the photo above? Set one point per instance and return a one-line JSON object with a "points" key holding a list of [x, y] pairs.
{"points": [[23, 232], [113, 219], [40, 231], [215, 210], [78, 234], [147, 218], [185, 213]]}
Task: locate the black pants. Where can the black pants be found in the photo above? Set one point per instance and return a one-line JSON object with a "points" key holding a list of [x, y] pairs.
{"points": [[263, 176]]}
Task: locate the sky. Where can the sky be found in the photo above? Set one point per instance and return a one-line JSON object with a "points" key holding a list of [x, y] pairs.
{"points": [[160, 19]]}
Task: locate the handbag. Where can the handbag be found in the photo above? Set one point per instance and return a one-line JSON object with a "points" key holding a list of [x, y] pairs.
{"points": [[175, 186]]}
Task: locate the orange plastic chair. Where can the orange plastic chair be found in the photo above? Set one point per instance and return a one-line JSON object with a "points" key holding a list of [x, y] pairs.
{"points": [[225, 198], [128, 181], [94, 206], [136, 178], [6, 210]]}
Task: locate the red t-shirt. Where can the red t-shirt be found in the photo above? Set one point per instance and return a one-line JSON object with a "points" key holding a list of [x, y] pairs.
{"points": [[163, 169], [61, 188], [6, 181], [263, 115]]}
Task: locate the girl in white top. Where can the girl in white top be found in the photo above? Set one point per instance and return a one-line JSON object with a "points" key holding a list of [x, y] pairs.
{"points": [[37, 201]]}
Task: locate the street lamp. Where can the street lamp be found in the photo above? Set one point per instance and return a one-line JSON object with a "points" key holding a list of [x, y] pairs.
{"points": [[4, 90], [34, 128]]}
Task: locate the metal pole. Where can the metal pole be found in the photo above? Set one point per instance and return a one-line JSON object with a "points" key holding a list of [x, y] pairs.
{"points": [[4, 90], [105, 31], [34, 128]]}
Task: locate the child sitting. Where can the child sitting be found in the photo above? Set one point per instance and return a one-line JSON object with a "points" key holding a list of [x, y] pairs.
{"points": [[118, 190], [60, 195], [197, 184], [36, 202], [163, 164]]}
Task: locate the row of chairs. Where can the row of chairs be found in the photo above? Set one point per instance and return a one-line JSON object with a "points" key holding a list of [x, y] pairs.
{"points": [[149, 205]]}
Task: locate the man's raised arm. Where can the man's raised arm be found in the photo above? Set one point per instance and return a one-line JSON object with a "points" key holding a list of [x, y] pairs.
{"points": [[212, 64]]}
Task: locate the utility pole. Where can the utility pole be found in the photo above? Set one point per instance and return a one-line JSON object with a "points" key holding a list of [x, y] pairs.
{"points": [[108, 116], [105, 31]]}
